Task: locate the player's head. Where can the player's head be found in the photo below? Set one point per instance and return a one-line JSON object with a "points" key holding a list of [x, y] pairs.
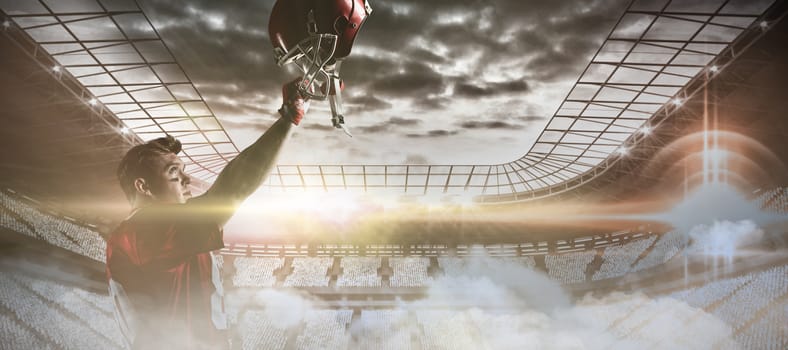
{"points": [[153, 172], [315, 35]]}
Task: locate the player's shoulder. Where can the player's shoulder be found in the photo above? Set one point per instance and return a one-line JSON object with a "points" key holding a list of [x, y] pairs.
{"points": [[147, 218]]}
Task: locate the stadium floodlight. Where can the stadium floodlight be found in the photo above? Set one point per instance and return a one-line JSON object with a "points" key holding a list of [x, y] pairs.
{"points": [[677, 101], [92, 102], [623, 151], [645, 130], [714, 69], [124, 130], [6, 24], [56, 69], [764, 24]]}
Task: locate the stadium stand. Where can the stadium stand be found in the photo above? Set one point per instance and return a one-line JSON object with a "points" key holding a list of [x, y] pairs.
{"points": [[711, 293], [256, 271], [617, 260], [667, 246], [780, 202], [384, 330], [359, 272], [325, 329], [309, 272], [41, 314], [409, 271], [98, 320], [14, 336], [768, 333], [569, 267], [775, 200], [445, 330], [54, 230], [757, 294], [63, 329], [464, 266], [258, 331], [766, 196]]}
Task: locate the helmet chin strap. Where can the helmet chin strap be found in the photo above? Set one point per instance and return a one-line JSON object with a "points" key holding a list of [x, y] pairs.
{"points": [[335, 99]]}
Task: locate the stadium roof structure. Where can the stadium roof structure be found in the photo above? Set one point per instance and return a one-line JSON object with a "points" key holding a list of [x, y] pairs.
{"points": [[111, 57], [659, 54]]}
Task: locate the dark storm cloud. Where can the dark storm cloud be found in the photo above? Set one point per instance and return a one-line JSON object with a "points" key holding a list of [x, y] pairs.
{"points": [[362, 69], [423, 55], [404, 121], [390, 125], [434, 133], [374, 129], [237, 51], [369, 102], [489, 125], [389, 30], [224, 47], [431, 103], [490, 89], [412, 158], [416, 80], [530, 118], [228, 58]]}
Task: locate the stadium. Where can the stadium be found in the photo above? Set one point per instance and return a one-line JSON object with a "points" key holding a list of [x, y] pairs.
{"points": [[648, 210]]}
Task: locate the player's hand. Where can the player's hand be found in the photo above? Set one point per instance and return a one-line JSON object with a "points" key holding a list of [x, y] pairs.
{"points": [[294, 106]]}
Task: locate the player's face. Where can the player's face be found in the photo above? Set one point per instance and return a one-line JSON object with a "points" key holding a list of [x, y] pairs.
{"points": [[170, 184]]}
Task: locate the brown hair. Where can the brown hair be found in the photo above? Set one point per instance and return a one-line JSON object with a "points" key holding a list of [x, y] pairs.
{"points": [[137, 162]]}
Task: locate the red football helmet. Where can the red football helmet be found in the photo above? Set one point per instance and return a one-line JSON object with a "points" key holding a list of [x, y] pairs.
{"points": [[316, 35]]}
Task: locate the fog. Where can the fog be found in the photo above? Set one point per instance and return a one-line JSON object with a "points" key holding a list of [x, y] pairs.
{"points": [[498, 304]]}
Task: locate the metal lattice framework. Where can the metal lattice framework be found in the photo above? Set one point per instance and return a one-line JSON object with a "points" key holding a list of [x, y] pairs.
{"points": [[659, 54], [122, 68]]}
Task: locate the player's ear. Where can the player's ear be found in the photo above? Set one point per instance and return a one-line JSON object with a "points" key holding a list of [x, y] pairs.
{"points": [[142, 187]]}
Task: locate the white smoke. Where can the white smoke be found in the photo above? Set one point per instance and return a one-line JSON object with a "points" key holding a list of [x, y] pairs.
{"points": [[724, 237], [504, 305]]}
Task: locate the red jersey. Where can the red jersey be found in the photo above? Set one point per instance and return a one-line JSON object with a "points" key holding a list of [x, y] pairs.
{"points": [[165, 281]]}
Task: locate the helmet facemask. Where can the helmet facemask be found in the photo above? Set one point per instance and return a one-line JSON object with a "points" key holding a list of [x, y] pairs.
{"points": [[324, 31], [314, 56]]}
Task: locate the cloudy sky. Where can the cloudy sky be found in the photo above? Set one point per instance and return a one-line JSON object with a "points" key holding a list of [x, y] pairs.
{"points": [[428, 82]]}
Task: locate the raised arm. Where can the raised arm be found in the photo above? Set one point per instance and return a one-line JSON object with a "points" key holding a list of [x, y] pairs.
{"points": [[246, 173]]}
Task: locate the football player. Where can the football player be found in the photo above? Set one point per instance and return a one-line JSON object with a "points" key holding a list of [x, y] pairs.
{"points": [[163, 276]]}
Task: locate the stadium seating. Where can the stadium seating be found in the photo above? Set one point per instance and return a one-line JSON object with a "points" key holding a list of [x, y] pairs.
{"points": [[54, 230], [256, 271], [768, 333], [40, 314], [765, 197], [384, 330], [617, 260], [409, 271], [569, 267], [445, 330], [309, 272], [668, 245], [61, 328], [465, 266], [325, 329], [98, 320], [15, 336], [712, 292], [258, 331], [359, 272], [757, 294], [775, 200], [780, 202]]}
